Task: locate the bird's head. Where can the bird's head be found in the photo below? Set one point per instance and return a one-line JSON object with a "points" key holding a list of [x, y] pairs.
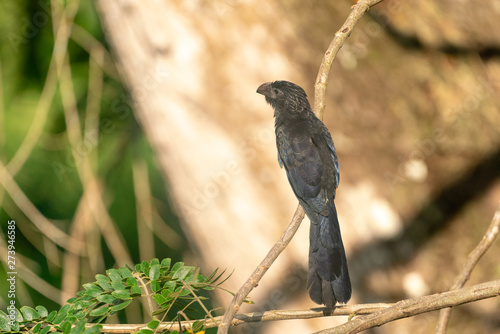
{"points": [[284, 96]]}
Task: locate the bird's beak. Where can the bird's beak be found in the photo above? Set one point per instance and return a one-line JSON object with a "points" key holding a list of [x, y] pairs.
{"points": [[264, 89]]}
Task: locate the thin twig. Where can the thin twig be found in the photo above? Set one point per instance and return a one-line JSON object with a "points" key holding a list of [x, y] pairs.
{"points": [[474, 256], [340, 36], [208, 313], [147, 293], [254, 279], [411, 307], [319, 105]]}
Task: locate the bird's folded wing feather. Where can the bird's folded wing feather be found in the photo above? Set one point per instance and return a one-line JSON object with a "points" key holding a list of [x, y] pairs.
{"points": [[304, 168]]}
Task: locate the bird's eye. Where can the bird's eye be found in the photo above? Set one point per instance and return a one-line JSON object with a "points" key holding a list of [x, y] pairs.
{"points": [[276, 91]]}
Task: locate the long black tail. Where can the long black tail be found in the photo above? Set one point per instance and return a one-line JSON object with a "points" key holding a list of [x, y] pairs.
{"points": [[328, 279]]}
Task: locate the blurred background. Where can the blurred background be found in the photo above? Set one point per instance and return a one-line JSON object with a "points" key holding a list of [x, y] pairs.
{"points": [[131, 130]]}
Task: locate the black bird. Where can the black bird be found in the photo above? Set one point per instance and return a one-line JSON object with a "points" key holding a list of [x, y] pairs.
{"points": [[306, 149]]}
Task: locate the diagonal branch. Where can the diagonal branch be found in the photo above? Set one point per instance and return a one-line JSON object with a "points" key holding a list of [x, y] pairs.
{"points": [[410, 307], [319, 105], [474, 256], [254, 279], [340, 36]]}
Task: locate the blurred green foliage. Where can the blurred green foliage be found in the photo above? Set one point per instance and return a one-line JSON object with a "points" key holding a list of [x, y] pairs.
{"points": [[50, 178], [174, 293]]}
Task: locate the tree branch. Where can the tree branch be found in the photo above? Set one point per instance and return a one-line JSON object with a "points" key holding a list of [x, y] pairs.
{"points": [[240, 319], [410, 307], [340, 36], [474, 256], [319, 105], [375, 314], [254, 279]]}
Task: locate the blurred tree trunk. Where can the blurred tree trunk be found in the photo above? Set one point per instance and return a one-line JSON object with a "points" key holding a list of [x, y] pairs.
{"points": [[405, 120]]}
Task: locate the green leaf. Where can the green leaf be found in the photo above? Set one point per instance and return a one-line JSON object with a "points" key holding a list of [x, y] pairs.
{"points": [[71, 318], [155, 261], [109, 299], [213, 280], [182, 272], [154, 271], [120, 306], [90, 286], [44, 330], [81, 314], [51, 316], [37, 327], [29, 314], [212, 275], [225, 279], [161, 310], [153, 324], [118, 286], [159, 299], [166, 293], [192, 276], [104, 317], [96, 329], [42, 311], [145, 331], [4, 322], [125, 272], [177, 266], [114, 275], [135, 290], [101, 319], [170, 286], [138, 268], [65, 327], [99, 311], [66, 308], [82, 304], [184, 292], [103, 281], [173, 295], [155, 286], [121, 294], [79, 328], [93, 293], [60, 317], [165, 263], [15, 326], [131, 281], [201, 278], [145, 267], [18, 316], [197, 326]]}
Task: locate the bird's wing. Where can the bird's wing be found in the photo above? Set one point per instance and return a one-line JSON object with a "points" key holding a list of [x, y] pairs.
{"points": [[333, 153], [304, 169]]}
